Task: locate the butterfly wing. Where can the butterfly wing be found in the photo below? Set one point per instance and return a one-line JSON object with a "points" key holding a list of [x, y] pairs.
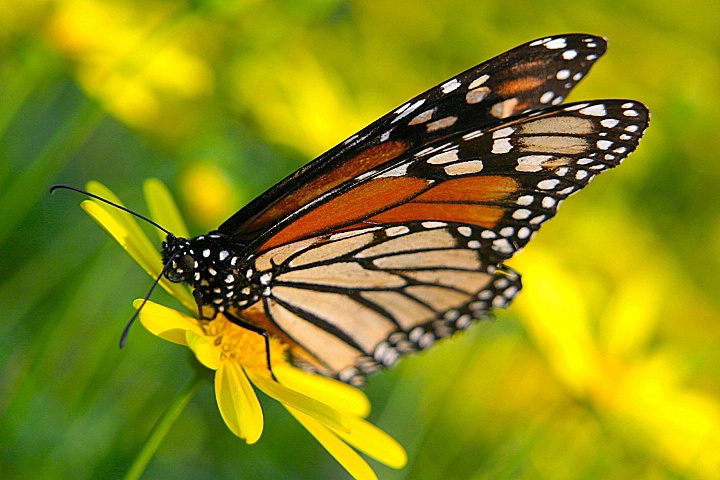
{"points": [[509, 178], [362, 279], [350, 303], [534, 75], [397, 236]]}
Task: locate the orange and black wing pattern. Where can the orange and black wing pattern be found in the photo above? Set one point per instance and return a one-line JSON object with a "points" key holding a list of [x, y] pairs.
{"points": [[532, 76], [397, 237]]}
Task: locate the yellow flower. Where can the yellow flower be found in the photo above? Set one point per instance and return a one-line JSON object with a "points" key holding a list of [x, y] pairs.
{"points": [[332, 411]]}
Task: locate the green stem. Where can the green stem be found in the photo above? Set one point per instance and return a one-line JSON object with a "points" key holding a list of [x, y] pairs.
{"points": [[162, 427]]}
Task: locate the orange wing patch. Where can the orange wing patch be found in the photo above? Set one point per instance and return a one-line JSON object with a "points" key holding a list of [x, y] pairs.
{"points": [[361, 163], [356, 205], [484, 216], [518, 86], [404, 199], [460, 200], [470, 190]]}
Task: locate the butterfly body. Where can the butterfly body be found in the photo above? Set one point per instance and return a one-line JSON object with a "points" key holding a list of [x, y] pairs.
{"points": [[398, 236], [212, 265]]}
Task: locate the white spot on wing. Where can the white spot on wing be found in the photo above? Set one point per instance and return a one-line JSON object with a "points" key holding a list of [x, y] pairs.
{"points": [[546, 97], [450, 86], [556, 44], [407, 110], [525, 200], [434, 224], [501, 245], [501, 145], [476, 95], [464, 168], [422, 117], [471, 135], [576, 107], [352, 233], [521, 214], [441, 123], [397, 230], [399, 171], [478, 81], [594, 110], [503, 132], [507, 231], [548, 202], [531, 163], [442, 158], [563, 74], [465, 231], [609, 122], [548, 184]]}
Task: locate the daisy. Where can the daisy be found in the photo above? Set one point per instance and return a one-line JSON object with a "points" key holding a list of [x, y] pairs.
{"points": [[332, 411]]}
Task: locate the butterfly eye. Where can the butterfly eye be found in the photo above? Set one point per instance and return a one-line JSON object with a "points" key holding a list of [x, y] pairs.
{"points": [[186, 263], [181, 269]]}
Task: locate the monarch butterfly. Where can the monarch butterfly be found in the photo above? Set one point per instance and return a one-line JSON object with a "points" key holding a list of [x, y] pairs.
{"points": [[396, 237]]}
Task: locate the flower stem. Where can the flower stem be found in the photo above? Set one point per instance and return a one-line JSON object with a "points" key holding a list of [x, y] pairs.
{"points": [[162, 427]]}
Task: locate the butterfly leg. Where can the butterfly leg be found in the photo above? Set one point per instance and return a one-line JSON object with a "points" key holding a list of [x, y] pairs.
{"points": [[260, 331], [197, 294]]}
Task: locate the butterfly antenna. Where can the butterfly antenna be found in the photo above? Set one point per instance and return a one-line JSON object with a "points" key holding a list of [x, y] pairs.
{"points": [[126, 330], [104, 200]]}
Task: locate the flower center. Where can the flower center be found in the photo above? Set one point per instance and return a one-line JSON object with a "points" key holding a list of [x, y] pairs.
{"points": [[242, 345]]}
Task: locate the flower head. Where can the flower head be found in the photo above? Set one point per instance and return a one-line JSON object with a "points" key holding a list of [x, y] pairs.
{"points": [[332, 411]]}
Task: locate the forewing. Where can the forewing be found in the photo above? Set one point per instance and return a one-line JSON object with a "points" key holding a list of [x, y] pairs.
{"points": [[508, 179], [532, 76]]}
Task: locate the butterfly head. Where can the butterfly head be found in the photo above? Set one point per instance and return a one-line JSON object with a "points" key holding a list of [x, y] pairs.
{"points": [[179, 256]]}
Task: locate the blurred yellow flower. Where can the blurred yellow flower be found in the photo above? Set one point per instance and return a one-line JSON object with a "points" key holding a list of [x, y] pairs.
{"points": [[608, 362], [200, 177], [133, 59], [332, 411]]}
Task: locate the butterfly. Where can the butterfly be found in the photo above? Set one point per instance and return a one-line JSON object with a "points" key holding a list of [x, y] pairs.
{"points": [[397, 237]]}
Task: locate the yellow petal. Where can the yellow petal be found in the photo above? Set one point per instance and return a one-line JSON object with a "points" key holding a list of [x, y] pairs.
{"points": [[332, 392], [148, 258], [163, 208], [318, 410], [136, 243], [346, 456], [374, 442], [167, 323], [237, 401], [207, 353]]}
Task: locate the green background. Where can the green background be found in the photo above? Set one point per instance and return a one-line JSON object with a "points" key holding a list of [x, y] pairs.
{"points": [[606, 366]]}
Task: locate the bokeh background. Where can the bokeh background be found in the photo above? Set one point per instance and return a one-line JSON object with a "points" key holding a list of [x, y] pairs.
{"points": [[606, 366]]}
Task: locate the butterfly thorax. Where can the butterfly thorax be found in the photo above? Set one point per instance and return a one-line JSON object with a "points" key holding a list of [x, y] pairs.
{"points": [[212, 265]]}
